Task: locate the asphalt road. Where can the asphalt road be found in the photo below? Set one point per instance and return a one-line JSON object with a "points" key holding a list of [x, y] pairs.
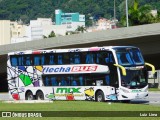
{"points": [[153, 99], [4, 96]]}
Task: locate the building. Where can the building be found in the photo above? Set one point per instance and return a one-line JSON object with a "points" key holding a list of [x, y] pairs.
{"points": [[154, 12], [17, 29], [12, 32], [19, 32], [5, 32], [70, 20], [103, 24], [36, 29], [42, 27], [33, 31], [46, 25]]}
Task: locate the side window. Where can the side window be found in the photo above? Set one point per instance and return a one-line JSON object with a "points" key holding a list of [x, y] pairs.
{"points": [[89, 81], [50, 59], [53, 81], [50, 80], [73, 81], [60, 59], [20, 60], [46, 81], [14, 60], [38, 59], [66, 59], [63, 81], [111, 57], [106, 58], [42, 60], [76, 80], [97, 58], [103, 58], [81, 80], [83, 57], [107, 79], [90, 58], [75, 58], [99, 79], [26, 60]]}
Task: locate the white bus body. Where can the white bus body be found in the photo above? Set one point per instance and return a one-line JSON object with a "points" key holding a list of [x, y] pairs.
{"points": [[96, 73]]}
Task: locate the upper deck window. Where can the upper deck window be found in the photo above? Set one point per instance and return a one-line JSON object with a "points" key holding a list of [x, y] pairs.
{"points": [[84, 57], [20, 60], [136, 56], [124, 58], [129, 56]]}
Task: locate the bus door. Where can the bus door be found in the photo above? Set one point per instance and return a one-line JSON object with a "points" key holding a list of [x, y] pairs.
{"points": [[113, 75]]}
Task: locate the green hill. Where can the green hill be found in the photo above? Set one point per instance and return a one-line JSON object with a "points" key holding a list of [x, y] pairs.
{"points": [[32, 9]]}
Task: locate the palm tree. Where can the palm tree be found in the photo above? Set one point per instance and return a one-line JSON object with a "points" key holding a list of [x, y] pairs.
{"points": [[138, 15], [134, 14]]}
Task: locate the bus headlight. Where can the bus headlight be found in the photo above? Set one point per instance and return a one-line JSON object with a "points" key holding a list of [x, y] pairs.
{"points": [[124, 90]]}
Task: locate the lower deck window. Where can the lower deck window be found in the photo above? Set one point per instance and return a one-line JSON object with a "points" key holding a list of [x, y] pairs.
{"points": [[76, 80]]}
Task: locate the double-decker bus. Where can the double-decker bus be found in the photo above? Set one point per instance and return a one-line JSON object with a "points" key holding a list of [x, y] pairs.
{"points": [[95, 73]]}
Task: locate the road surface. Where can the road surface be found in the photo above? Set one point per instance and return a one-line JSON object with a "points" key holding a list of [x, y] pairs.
{"points": [[153, 99]]}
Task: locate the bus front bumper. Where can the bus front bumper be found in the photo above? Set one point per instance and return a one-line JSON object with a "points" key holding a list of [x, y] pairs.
{"points": [[132, 94]]}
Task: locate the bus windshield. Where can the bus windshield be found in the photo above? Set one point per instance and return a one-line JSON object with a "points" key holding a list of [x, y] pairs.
{"points": [[129, 56], [135, 79]]}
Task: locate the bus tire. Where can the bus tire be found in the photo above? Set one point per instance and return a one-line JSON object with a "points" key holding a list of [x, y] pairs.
{"points": [[29, 96], [100, 96], [39, 95]]}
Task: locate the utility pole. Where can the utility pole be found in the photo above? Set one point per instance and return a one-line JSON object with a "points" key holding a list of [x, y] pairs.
{"points": [[127, 13]]}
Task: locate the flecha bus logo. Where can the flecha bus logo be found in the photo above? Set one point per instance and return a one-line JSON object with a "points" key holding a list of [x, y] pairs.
{"points": [[83, 68]]}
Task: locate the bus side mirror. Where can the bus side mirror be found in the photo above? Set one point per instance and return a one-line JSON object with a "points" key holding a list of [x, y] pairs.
{"points": [[122, 68], [152, 66]]}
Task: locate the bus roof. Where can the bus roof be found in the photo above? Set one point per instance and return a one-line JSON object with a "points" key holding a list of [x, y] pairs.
{"points": [[104, 48]]}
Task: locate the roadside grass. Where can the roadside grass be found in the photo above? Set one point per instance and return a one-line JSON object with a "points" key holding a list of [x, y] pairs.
{"points": [[154, 89], [79, 106]]}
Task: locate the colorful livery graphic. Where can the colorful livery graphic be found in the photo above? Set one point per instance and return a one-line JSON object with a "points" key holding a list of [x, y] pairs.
{"points": [[96, 73]]}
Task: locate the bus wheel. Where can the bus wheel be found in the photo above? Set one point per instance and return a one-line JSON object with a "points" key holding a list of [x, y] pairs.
{"points": [[40, 95], [29, 96], [100, 96]]}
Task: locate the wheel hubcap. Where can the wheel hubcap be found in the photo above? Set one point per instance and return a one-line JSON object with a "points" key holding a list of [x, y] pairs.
{"points": [[40, 97], [99, 98], [30, 97]]}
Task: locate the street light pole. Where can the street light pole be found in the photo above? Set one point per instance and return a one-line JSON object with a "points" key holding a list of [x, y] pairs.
{"points": [[127, 13], [114, 10]]}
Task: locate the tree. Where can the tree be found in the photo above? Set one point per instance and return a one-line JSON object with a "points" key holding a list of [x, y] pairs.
{"points": [[27, 10], [25, 19], [52, 34], [145, 16], [44, 36], [81, 29]]}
